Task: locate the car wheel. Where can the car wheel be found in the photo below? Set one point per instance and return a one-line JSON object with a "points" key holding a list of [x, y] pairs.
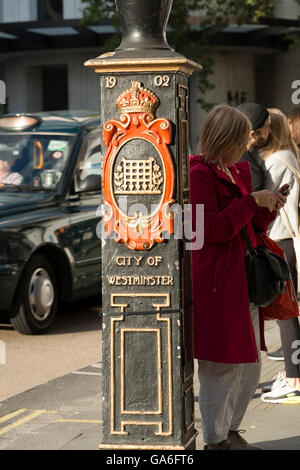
{"points": [[37, 299]]}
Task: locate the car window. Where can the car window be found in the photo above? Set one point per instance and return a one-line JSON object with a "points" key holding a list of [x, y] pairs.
{"points": [[92, 165], [35, 160], [91, 158]]}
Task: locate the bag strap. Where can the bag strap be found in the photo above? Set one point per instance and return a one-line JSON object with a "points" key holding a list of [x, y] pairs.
{"points": [[290, 166], [287, 222], [248, 240]]}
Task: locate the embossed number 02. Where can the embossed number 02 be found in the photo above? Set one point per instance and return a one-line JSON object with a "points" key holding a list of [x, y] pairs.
{"points": [[110, 82], [162, 80]]}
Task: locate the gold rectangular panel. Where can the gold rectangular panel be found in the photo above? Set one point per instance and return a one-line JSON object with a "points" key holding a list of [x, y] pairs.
{"points": [[159, 375], [158, 331]]}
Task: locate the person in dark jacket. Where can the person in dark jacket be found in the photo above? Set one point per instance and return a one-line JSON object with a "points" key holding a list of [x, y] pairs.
{"points": [[260, 123], [228, 333], [267, 174]]}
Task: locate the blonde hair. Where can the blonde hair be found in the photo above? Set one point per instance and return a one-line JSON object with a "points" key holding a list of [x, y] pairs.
{"points": [[276, 111], [294, 118], [280, 138], [225, 130]]}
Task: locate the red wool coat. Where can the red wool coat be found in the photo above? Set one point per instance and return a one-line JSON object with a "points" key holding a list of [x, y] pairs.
{"points": [[223, 330]]}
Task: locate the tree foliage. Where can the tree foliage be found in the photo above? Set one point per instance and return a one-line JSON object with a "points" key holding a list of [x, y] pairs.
{"points": [[193, 41]]}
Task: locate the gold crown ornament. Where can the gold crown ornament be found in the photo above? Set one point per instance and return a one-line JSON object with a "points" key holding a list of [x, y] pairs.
{"points": [[137, 99]]}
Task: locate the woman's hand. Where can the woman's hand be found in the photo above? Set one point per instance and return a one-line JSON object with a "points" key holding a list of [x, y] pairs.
{"points": [[281, 199], [271, 201]]}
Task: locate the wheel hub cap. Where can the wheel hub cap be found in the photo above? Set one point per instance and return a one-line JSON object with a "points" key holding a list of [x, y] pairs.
{"points": [[41, 294]]}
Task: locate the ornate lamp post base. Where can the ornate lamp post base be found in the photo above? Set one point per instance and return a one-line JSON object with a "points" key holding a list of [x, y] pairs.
{"points": [[148, 400]]}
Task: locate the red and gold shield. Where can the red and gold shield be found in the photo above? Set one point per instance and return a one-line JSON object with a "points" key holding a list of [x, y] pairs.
{"points": [[138, 174]]}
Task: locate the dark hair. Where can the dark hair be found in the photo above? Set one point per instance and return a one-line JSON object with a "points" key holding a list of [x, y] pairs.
{"points": [[255, 112]]}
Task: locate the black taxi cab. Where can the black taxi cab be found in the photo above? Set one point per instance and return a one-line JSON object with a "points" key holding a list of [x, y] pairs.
{"points": [[50, 192]]}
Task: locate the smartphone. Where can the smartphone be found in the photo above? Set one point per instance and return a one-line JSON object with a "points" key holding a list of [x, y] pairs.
{"points": [[284, 189]]}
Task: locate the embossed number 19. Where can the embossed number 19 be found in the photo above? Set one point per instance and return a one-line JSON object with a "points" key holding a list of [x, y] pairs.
{"points": [[110, 82]]}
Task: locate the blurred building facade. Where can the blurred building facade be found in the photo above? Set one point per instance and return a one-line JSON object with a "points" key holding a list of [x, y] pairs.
{"points": [[43, 46]]}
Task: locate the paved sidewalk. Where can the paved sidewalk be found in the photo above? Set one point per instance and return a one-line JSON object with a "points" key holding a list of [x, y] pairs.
{"points": [[65, 414], [270, 426]]}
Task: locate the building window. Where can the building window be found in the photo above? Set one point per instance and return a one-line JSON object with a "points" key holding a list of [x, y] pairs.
{"points": [[50, 10]]}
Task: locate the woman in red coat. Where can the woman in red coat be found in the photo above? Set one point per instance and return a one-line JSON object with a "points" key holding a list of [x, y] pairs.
{"points": [[227, 333]]}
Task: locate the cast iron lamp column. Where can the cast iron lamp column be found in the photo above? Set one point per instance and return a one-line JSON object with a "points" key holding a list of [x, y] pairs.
{"points": [[148, 400]]}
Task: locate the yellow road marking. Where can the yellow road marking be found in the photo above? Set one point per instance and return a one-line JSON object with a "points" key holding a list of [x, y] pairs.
{"points": [[12, 415], [34, 415], [79, 421], [21, 421]]}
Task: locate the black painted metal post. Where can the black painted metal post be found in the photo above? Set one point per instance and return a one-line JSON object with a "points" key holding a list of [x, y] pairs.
{"points": [[148, 400]]}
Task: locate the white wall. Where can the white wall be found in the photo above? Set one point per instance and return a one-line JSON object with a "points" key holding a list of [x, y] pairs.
{"points": [[274, 81], [234, 75], [23, 79], [84, 85], [14, 11], [72, 9], [284, 9], [265, 79], [26, 10], [287, 9]]}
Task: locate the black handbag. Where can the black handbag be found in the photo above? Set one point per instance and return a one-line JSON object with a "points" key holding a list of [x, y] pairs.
{"points": [[267, 273]]}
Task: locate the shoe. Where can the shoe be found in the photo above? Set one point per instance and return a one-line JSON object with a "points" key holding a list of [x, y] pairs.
{"points": [[279, 381], [223, 445], [283, 394], [237, 442], [276, 355]]}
